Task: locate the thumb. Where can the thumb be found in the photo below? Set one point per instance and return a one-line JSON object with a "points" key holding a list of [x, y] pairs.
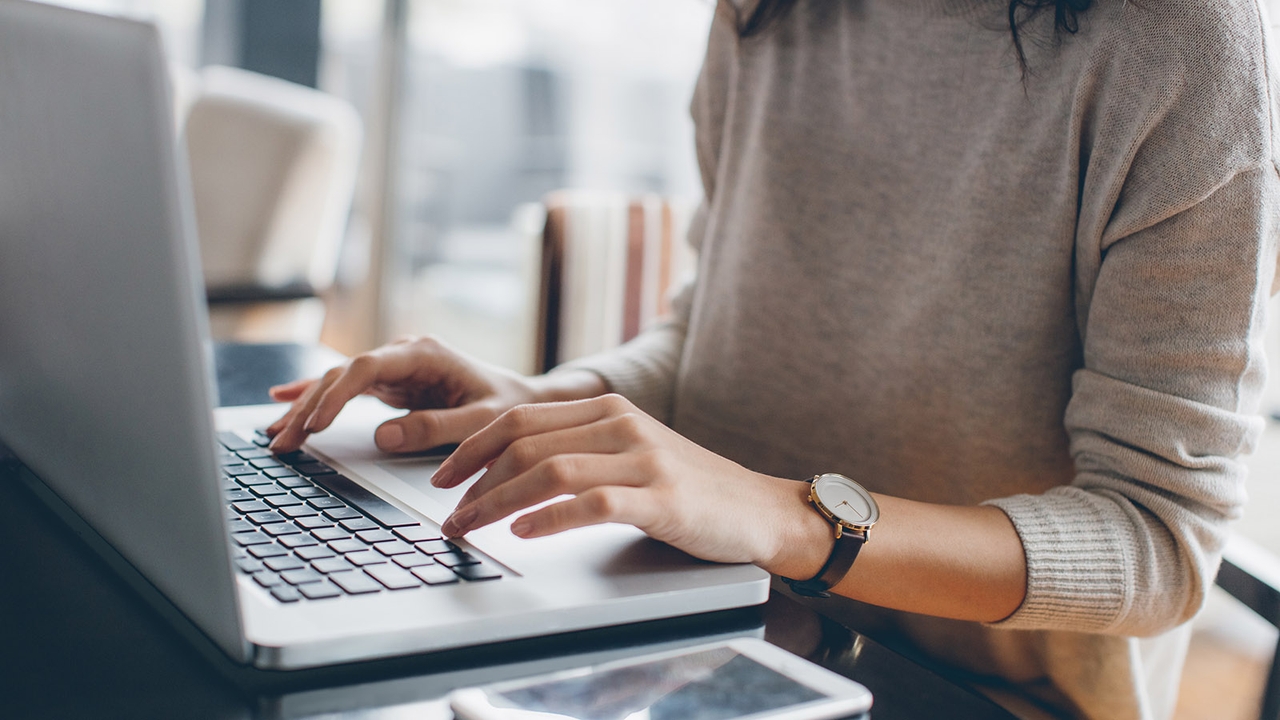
{"points": [[425, 429]]}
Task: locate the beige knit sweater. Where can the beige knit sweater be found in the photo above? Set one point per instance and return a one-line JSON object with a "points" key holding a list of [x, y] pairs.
{"points": [[957, 285]]}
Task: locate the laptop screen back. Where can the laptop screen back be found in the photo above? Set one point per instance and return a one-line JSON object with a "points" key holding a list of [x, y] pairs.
{"points": [[104, 387]]}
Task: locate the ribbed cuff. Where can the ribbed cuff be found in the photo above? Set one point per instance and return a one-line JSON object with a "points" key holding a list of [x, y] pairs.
{"points": [[1076, 561]]}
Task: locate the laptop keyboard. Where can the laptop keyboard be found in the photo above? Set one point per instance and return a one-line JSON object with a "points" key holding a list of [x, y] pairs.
{"points": [[303, 531]]}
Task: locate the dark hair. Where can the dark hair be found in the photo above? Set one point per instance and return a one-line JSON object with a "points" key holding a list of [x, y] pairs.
{"points": [[1066, 18]]}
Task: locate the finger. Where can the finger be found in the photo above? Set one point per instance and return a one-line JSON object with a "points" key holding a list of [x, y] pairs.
{"points": [[428, 428], [521, 421], [387, 365], [560, 475], [528, 452], [291, 431], [288, 392], [632, 506]]}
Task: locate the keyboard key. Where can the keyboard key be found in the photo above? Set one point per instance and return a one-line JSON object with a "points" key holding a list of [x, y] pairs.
{"points": [[296, 541], [328, 533], [238, 470], [236, 526], [250, 538], [266, 463], [250, 506], [237, 495], [365, 557], [267, 579], [320, 590], [394, 547], [312, 469], [229, 485], [279, 472], [435, 547], [234, 442], [332, 565], [413, 561], [267, 490], [334, 504], [297, 511], [418, 533], [348, 545], [265, 518], [296, 457], [313, 552], [278, 529], [249, 565], [293, 481], [476, 573], [301, 576], [283, 501], [253, 453], [315, 523], [435, 575], [375, 536], [393, 577], [285, 594], [267, 551], [284, 562], [455, 559], [355, 583], [359, 523], [307, 492], [368, 503], [250, 481]]}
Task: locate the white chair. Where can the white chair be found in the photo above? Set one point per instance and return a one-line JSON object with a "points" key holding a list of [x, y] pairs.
{"points": [[273, 169]]}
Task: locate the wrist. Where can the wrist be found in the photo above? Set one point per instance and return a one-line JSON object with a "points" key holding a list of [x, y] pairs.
{"points": [[566, 385], [803, 538]]}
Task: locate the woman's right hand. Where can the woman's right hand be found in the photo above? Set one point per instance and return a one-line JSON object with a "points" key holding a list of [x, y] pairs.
{"points": [[450, 396]]}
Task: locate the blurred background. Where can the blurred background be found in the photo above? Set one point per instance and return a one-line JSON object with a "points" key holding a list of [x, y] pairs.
{"points": [[472, 112]]}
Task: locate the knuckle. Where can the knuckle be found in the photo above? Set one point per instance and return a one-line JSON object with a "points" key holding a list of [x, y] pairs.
{"points": [[363, 363], [615, 403], [602, 502], [558, 473], [524, 452], [518, 417]]}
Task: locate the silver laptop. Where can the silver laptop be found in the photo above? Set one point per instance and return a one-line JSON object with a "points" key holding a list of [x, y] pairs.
{"points": [[105, 394]]}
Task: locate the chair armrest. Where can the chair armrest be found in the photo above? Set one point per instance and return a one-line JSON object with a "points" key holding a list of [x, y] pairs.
{"points": [[1251, 574]]}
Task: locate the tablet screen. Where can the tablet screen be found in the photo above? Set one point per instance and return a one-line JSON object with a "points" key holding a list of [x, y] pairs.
{"points": [[716, 684]]}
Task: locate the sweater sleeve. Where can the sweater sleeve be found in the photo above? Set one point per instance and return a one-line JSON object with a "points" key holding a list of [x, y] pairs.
{"points": [[1176, 255]]}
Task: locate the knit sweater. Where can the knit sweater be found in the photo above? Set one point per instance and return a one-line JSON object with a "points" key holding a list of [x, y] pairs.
{"points": [[959, 284]]}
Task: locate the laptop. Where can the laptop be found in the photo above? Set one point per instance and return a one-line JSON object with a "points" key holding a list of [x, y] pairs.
{"points": [[324, 557]]}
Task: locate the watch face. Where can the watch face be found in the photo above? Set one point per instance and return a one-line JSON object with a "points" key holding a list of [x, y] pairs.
{"points": [[846, 500]]}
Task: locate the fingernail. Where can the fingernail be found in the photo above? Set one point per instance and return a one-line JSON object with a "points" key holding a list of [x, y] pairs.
{"points": [[522, 526], [459, 522], [389, 437], [443, 475]]}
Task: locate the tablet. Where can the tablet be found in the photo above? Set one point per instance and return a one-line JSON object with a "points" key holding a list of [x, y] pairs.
{"points": [[743, 679]]}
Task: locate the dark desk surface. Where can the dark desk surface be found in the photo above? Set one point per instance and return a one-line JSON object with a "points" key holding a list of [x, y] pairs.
{"points": [[79, 643]]}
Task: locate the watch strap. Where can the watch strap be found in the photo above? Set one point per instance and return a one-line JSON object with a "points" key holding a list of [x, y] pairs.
{"points": [[837, 566]]}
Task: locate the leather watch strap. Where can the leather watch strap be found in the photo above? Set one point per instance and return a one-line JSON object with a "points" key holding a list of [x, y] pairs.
{"points": [[838, 563]]}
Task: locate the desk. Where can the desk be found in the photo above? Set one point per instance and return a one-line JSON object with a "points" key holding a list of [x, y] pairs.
{"points": [[79, 643]]}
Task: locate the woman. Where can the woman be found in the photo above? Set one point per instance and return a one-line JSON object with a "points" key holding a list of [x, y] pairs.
{"points": [[1003, 266]]}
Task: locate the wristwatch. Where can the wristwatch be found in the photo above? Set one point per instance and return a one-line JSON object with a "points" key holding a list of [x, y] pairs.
{"points": [[852, 512]]}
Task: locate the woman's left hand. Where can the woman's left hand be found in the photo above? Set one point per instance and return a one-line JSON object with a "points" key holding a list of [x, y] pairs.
{"points": [[620, 465]]}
